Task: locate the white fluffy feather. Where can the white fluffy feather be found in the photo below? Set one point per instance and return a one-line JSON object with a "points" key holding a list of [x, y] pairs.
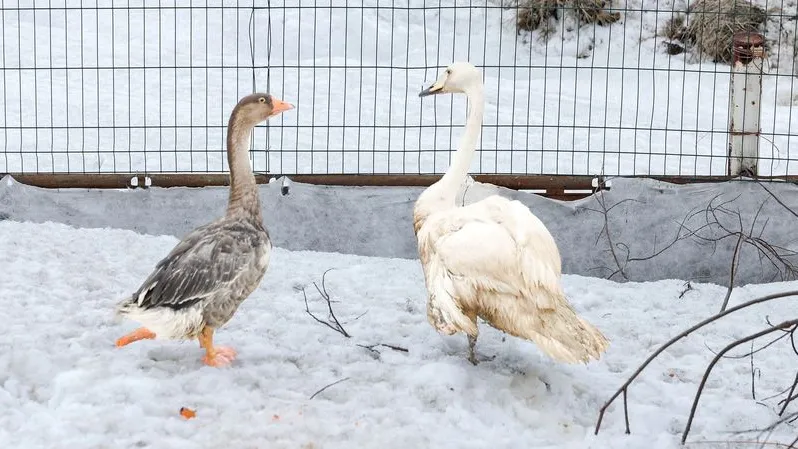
{"points": [[169, 324], [493, 259]]}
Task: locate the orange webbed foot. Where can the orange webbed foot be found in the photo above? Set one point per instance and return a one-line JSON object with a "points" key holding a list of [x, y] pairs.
{"points": [[141, 333], [216, 356], [219, 356]]}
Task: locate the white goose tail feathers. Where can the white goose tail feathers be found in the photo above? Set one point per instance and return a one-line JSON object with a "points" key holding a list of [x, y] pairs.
{"points": [[558, 331], [571, 339], [568, 338]]}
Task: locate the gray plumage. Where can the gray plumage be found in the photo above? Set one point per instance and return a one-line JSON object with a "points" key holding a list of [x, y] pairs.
{"points": [[200, 284], [210, 273]]}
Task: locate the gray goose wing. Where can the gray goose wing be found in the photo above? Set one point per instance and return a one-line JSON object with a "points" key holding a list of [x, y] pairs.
{"points": [[207, 260]]}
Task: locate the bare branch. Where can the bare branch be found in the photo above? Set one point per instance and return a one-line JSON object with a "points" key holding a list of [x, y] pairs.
{"points": [[784, 325], [679, 236], [687, 287], [357, 317], [620, 251], [732, 271], [328, 386], [334, 324], [754, 351], [721, 221], [307, 309], [395, 348], [754, 371], [769, 429], [623, 388], [729, 347], [777, 256], [332, 321], [606, 230], [790, 396], [773, 195]]}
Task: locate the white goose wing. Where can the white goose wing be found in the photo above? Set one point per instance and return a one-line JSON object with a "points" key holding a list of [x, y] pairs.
{"points": [[498, 245]]}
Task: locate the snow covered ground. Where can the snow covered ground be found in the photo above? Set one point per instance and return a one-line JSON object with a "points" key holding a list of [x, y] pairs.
{"points": [[592, 100], [64, 384]]}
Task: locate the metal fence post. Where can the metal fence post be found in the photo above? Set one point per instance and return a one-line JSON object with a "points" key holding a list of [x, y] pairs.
{"points": [[745, 104]]}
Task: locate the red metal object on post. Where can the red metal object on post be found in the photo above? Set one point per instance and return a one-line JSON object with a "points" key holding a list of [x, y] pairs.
{"points": [[746, 45]]}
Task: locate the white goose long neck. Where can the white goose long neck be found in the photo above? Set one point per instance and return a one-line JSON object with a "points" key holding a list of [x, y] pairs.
{"points": [[442, 194], [451, 182]]}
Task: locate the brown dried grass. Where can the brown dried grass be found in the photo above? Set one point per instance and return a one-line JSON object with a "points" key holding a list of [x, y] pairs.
{"points": [[709, 26], [539, 14]]}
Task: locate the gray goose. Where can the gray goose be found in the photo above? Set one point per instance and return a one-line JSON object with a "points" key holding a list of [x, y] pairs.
{"points": [[200, 284]]}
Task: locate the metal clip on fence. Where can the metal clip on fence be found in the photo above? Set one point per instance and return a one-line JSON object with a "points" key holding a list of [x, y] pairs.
{"points": [[134, 182]]}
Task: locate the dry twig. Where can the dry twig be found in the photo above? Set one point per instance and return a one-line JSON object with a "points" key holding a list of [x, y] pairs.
{"points": [[772, 427], [328, 386], [372, 347], [718, 222], [779, 257], [334, 324], [784, 325], [777, 199], [790, 396], [332, 320], [687, 287], [732, 271], [623, 389], [623, 260]]}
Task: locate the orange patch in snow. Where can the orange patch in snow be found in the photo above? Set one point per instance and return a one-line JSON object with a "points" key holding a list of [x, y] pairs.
{"points": [[187, 413]]}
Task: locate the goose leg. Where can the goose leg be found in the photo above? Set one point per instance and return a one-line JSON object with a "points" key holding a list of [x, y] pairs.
{"points": [[472, 357], [215, 355], [472, 342], [141, 333], [472, 354]]}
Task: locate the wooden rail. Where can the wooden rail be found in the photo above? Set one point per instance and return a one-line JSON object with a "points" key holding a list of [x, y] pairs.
{"points": [[563, 187]]}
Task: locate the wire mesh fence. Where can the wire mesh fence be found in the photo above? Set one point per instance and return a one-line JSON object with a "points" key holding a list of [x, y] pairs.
{"points": [[572, 87]]}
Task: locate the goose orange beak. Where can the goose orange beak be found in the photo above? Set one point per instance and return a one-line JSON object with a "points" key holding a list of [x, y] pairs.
{"points": [[280, 106]]}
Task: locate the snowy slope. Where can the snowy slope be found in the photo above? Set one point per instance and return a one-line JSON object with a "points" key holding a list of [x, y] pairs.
{"points": [[64, 384], [358, 70]]}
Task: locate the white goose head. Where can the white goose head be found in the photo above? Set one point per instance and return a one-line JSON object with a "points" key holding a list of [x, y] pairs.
{"points": [[459, 77]]}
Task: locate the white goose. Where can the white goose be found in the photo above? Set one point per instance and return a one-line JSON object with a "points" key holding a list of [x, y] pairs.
{"points": [[492, 259]]}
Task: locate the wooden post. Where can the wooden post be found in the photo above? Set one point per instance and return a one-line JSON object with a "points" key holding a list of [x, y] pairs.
{"points": [[745, 104]]}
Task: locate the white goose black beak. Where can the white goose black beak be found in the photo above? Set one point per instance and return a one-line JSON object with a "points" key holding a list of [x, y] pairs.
{"points": [[432, 90]]}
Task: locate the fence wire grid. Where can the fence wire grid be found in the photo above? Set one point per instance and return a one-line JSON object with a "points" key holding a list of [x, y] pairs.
{"points": [[572, 87]]}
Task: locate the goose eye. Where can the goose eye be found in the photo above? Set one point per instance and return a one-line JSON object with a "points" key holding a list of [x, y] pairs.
{"points": [[262, 99]]}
